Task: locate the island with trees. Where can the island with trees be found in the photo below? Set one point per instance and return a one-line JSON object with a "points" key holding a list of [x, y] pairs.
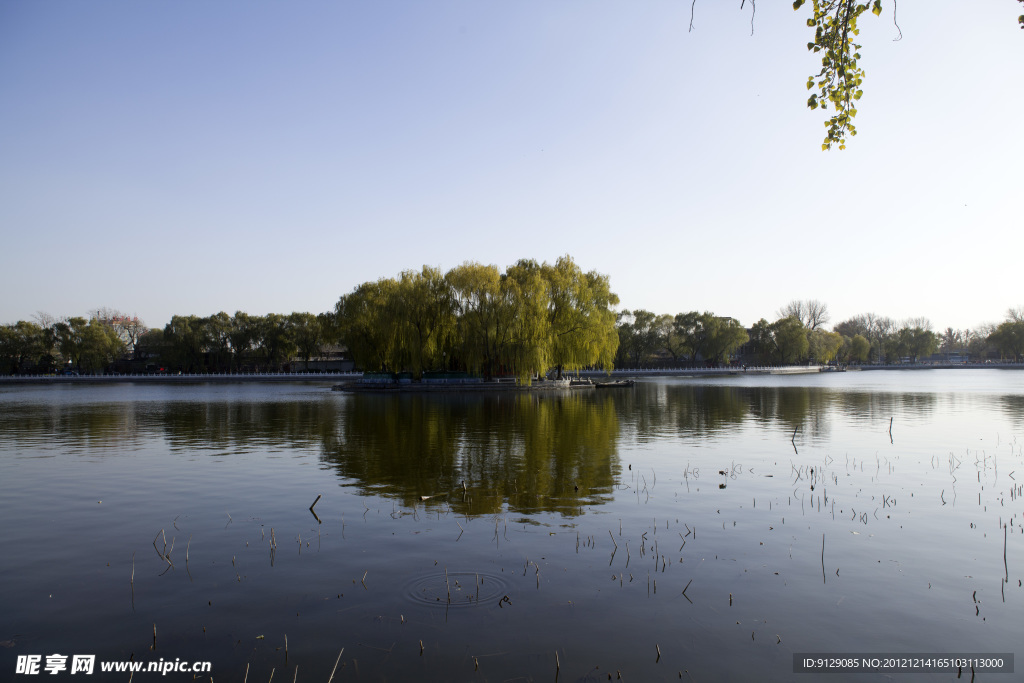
{"points": [[526, 323]]}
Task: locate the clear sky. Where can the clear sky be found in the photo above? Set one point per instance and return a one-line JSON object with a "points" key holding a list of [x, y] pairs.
{"points": [[189, 157]]}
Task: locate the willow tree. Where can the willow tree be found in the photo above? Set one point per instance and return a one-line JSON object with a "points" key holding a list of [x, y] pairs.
{"points": [[525, 292], [479, 308], [783, 341], [723, 336], [425, 318], [789, 337], [366, 326], [859, 349], [521, 322], [580, 314], [915, 340], [823, 346]]}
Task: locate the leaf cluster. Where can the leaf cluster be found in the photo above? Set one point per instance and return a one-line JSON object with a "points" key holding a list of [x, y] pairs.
{"points": [[477, 319], [840, 78]]}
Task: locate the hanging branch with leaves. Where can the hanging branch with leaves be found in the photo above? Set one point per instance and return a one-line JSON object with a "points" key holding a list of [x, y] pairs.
{"points": [[839, 81]]}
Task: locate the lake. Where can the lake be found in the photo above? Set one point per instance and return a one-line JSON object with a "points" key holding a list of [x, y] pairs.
{"points": [[703, 530]]}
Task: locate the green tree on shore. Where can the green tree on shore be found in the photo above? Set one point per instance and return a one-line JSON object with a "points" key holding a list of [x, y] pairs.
{"points": [[581, 316], [476, 318], [1008, 336], [722, 337], [915, 340], [784, 341], [856, 349], [638, 337], [823, 346]]}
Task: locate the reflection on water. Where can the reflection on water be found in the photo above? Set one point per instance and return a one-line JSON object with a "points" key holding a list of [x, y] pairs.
{"points": [[242, 427], [705, 529], [1013, 407], [530, 452]]}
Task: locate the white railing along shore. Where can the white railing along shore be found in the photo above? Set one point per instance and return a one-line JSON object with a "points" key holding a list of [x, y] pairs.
{"points": [[183, 376]]}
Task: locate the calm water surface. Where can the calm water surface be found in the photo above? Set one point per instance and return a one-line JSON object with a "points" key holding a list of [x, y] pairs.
{"points": [[474, 538]]}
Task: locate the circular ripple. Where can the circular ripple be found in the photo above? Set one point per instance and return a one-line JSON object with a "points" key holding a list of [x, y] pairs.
{"points": [[465, 588]]}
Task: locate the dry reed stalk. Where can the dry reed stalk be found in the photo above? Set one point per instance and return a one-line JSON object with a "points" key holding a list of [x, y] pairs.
{"points": [[335, 666], [823, 557]]}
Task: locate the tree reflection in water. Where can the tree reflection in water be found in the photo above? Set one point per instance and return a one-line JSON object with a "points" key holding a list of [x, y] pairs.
{"points": [[531, 452]]}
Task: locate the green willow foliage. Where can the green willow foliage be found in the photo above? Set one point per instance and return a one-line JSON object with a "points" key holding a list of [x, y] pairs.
{"points": [[839, 81], [524, 322]]}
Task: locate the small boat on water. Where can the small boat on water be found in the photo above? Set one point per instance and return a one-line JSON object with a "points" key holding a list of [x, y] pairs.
{"points": [[616, 384]]}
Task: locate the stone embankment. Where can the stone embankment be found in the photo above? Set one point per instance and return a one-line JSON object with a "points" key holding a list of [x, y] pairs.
{"points": [[184, 378], [468, 385]]}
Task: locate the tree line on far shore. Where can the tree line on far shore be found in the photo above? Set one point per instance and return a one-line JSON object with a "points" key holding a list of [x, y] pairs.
{"points": [[108, 340], [798, 335], [526, 321], [529, 320]]}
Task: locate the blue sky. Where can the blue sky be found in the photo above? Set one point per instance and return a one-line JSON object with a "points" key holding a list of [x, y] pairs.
{"points": [[167, 158]]}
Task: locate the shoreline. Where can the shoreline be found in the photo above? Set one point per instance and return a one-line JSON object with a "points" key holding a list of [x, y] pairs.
{"points": [[474, 388], [352, 378], [306, 378]]}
